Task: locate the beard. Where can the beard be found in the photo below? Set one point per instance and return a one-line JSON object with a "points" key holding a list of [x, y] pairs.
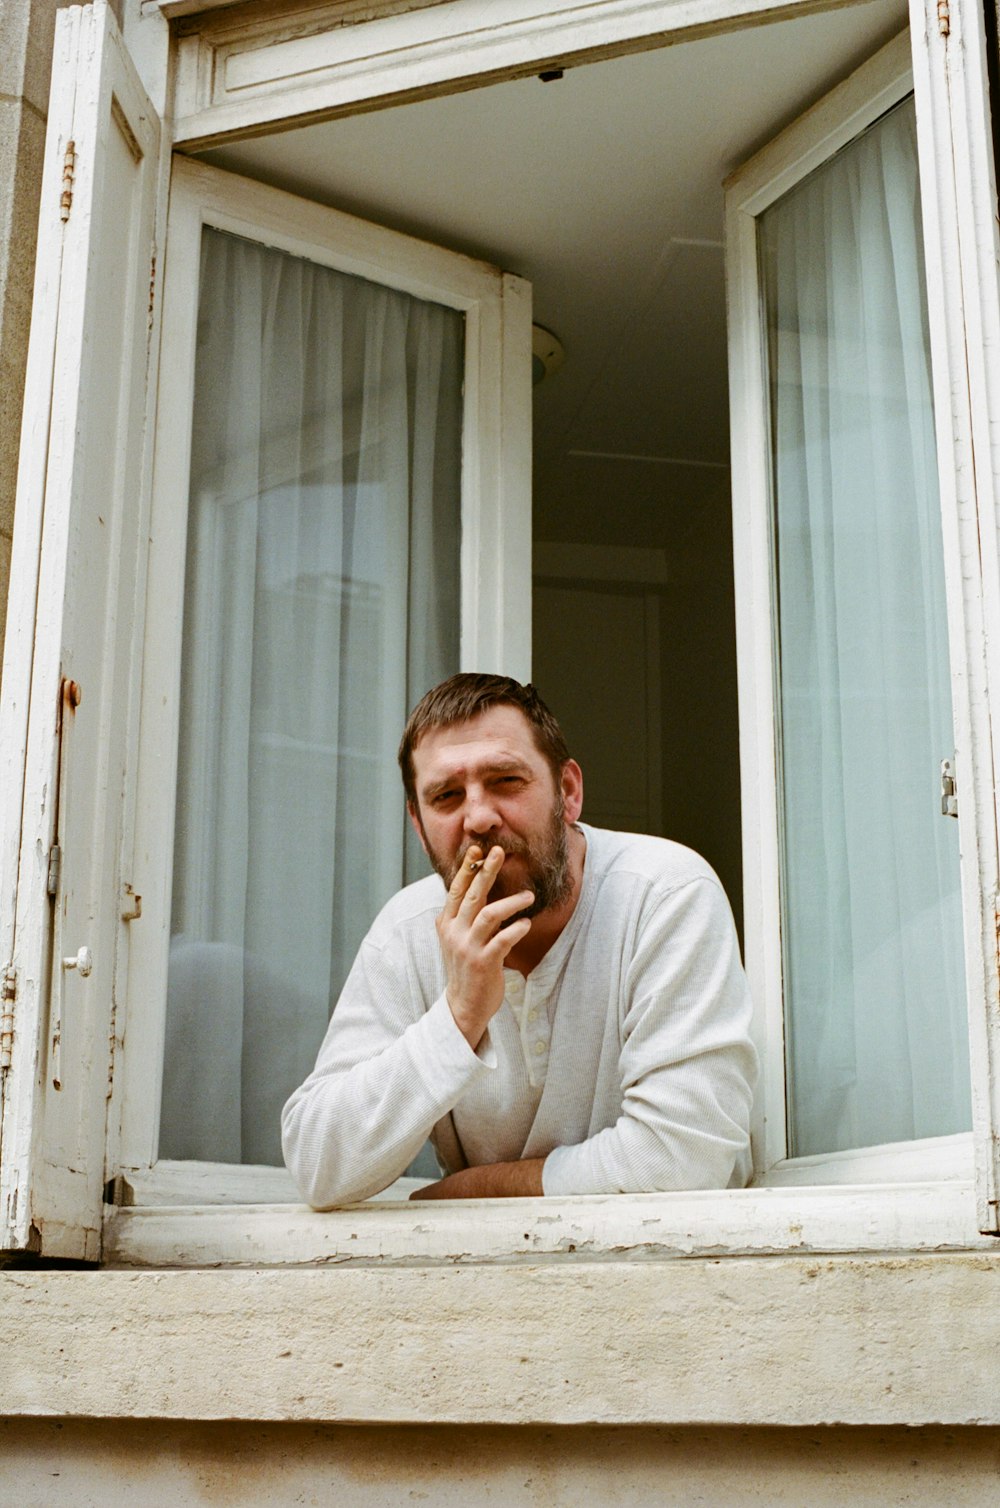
{"points": [[544, 857]]}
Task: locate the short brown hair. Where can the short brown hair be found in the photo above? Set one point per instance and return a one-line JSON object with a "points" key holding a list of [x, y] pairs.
{"points": [[465, 696]]}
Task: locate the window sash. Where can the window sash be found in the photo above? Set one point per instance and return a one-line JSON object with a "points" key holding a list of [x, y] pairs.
{"points": [[66, 711], [836, 121], [495, 510]]}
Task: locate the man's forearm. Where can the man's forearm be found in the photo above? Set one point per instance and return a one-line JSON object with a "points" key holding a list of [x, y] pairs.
{"points": [[494, 1180]]}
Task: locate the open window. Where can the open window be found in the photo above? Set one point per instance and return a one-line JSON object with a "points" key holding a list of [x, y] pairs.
{"points": [[853, 862], [382, 535], [343, 425], [854, 633]]}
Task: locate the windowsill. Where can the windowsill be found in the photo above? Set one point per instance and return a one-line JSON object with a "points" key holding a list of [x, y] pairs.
{"points": [[937, 1159], [854, 1305], [844, 1219], [791, 1340]]}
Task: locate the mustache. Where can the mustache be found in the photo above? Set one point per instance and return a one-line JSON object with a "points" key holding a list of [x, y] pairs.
{"points": [[517, 847]]}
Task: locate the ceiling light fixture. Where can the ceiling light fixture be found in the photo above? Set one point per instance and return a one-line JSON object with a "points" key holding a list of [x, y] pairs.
{"points": [[547, 354]]}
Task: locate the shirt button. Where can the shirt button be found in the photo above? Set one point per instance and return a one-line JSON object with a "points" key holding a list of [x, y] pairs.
{"points": [[533, 1016], [539, 1047]]}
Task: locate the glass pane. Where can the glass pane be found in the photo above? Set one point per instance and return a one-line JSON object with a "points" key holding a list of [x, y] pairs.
{"points": [[321, 601], [876, 1046]]}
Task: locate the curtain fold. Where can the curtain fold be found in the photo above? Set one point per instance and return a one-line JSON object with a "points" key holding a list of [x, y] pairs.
{"points": [[872, 933], [321, 600]]}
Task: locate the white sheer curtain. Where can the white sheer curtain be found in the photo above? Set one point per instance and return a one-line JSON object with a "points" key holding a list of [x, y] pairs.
{"points": [[875, 1000], [321, 600]]}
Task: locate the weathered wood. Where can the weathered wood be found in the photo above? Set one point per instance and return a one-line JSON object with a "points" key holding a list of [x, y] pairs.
{"points": [[79, 511], [239, 78], [644, 1227]]}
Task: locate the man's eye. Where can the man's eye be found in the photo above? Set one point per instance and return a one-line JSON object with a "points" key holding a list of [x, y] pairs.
{"points": [[443, 797]]}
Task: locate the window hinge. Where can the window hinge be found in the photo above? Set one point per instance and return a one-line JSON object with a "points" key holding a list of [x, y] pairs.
{"points": [[944, 17], [8, 994], [68, 174], [55, 870], [949, 794]]}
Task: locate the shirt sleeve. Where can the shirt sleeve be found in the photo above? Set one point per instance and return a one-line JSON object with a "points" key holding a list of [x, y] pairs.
{"points": [[687, 1063], [388, 1070]]}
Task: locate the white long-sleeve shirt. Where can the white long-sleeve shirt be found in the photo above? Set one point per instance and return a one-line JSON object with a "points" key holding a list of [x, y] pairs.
{"points": [[624, 1058]]}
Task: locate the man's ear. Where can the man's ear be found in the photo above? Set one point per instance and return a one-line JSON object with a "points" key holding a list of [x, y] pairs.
{"points": [[571, 786], [411, 812]]}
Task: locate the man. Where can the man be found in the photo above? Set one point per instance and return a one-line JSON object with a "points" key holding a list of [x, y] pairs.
{"points": [[565, 1014]]}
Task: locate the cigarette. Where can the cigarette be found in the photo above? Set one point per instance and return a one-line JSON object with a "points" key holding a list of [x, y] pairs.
{"points": [[476, 864]]}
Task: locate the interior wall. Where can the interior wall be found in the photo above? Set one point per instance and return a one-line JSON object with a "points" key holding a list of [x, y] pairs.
{"points": [[47, 1463], [684, 514]]}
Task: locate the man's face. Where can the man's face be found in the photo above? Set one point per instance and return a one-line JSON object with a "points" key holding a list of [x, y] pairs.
{"points": [[485, 782]]}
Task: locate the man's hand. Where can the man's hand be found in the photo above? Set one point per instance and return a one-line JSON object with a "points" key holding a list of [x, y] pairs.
{"points": [[495, 1180], [474, 942]]}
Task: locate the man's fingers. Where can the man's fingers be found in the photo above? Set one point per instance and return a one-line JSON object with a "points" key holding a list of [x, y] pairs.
{"points": [[509, 937], [497, 912], [481, 882], [470, 866]]}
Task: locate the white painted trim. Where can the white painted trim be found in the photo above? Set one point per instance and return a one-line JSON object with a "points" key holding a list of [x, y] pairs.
{"points": [[15, 686], [203, 1183], [172, 9], [81, 510], [803, 146], [939, 1159], [496, 471], [832, 123], [734, 1222], [235, 78], [496, 513], [960, 245]]}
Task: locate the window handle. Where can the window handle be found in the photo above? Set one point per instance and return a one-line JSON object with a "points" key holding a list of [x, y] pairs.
{"points": [[83, 962]]}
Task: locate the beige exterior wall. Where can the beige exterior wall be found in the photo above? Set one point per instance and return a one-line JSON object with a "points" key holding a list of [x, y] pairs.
{"points": [[47, 1463], [25, 56]]}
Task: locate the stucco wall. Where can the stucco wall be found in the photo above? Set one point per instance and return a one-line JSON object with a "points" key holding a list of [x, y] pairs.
{"points": [[99, 1464], [25, 56]]}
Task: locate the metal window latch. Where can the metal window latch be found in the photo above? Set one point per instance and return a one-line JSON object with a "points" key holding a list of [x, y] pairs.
{"points": [[949, 797]]}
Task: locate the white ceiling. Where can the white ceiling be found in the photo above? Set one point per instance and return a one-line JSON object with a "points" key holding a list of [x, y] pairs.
{"points": [[604, 188]]}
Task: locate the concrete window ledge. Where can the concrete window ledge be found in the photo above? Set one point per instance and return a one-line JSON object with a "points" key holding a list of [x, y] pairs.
{"points": [[785, 1340]]}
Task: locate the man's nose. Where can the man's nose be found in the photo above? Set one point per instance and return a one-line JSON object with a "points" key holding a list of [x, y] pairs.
{"points": [[481, 815]]}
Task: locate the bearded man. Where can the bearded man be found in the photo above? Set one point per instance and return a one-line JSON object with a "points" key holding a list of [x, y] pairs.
{"points": [[562, 1009]]}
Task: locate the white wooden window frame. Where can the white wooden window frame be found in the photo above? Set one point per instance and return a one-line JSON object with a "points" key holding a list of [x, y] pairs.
{"points": [[840, 118], [506, 40], [495, 546], [76, 576]]}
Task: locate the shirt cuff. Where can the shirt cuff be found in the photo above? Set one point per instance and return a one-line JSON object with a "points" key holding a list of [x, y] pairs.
{"points": [[555, 1169]]}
